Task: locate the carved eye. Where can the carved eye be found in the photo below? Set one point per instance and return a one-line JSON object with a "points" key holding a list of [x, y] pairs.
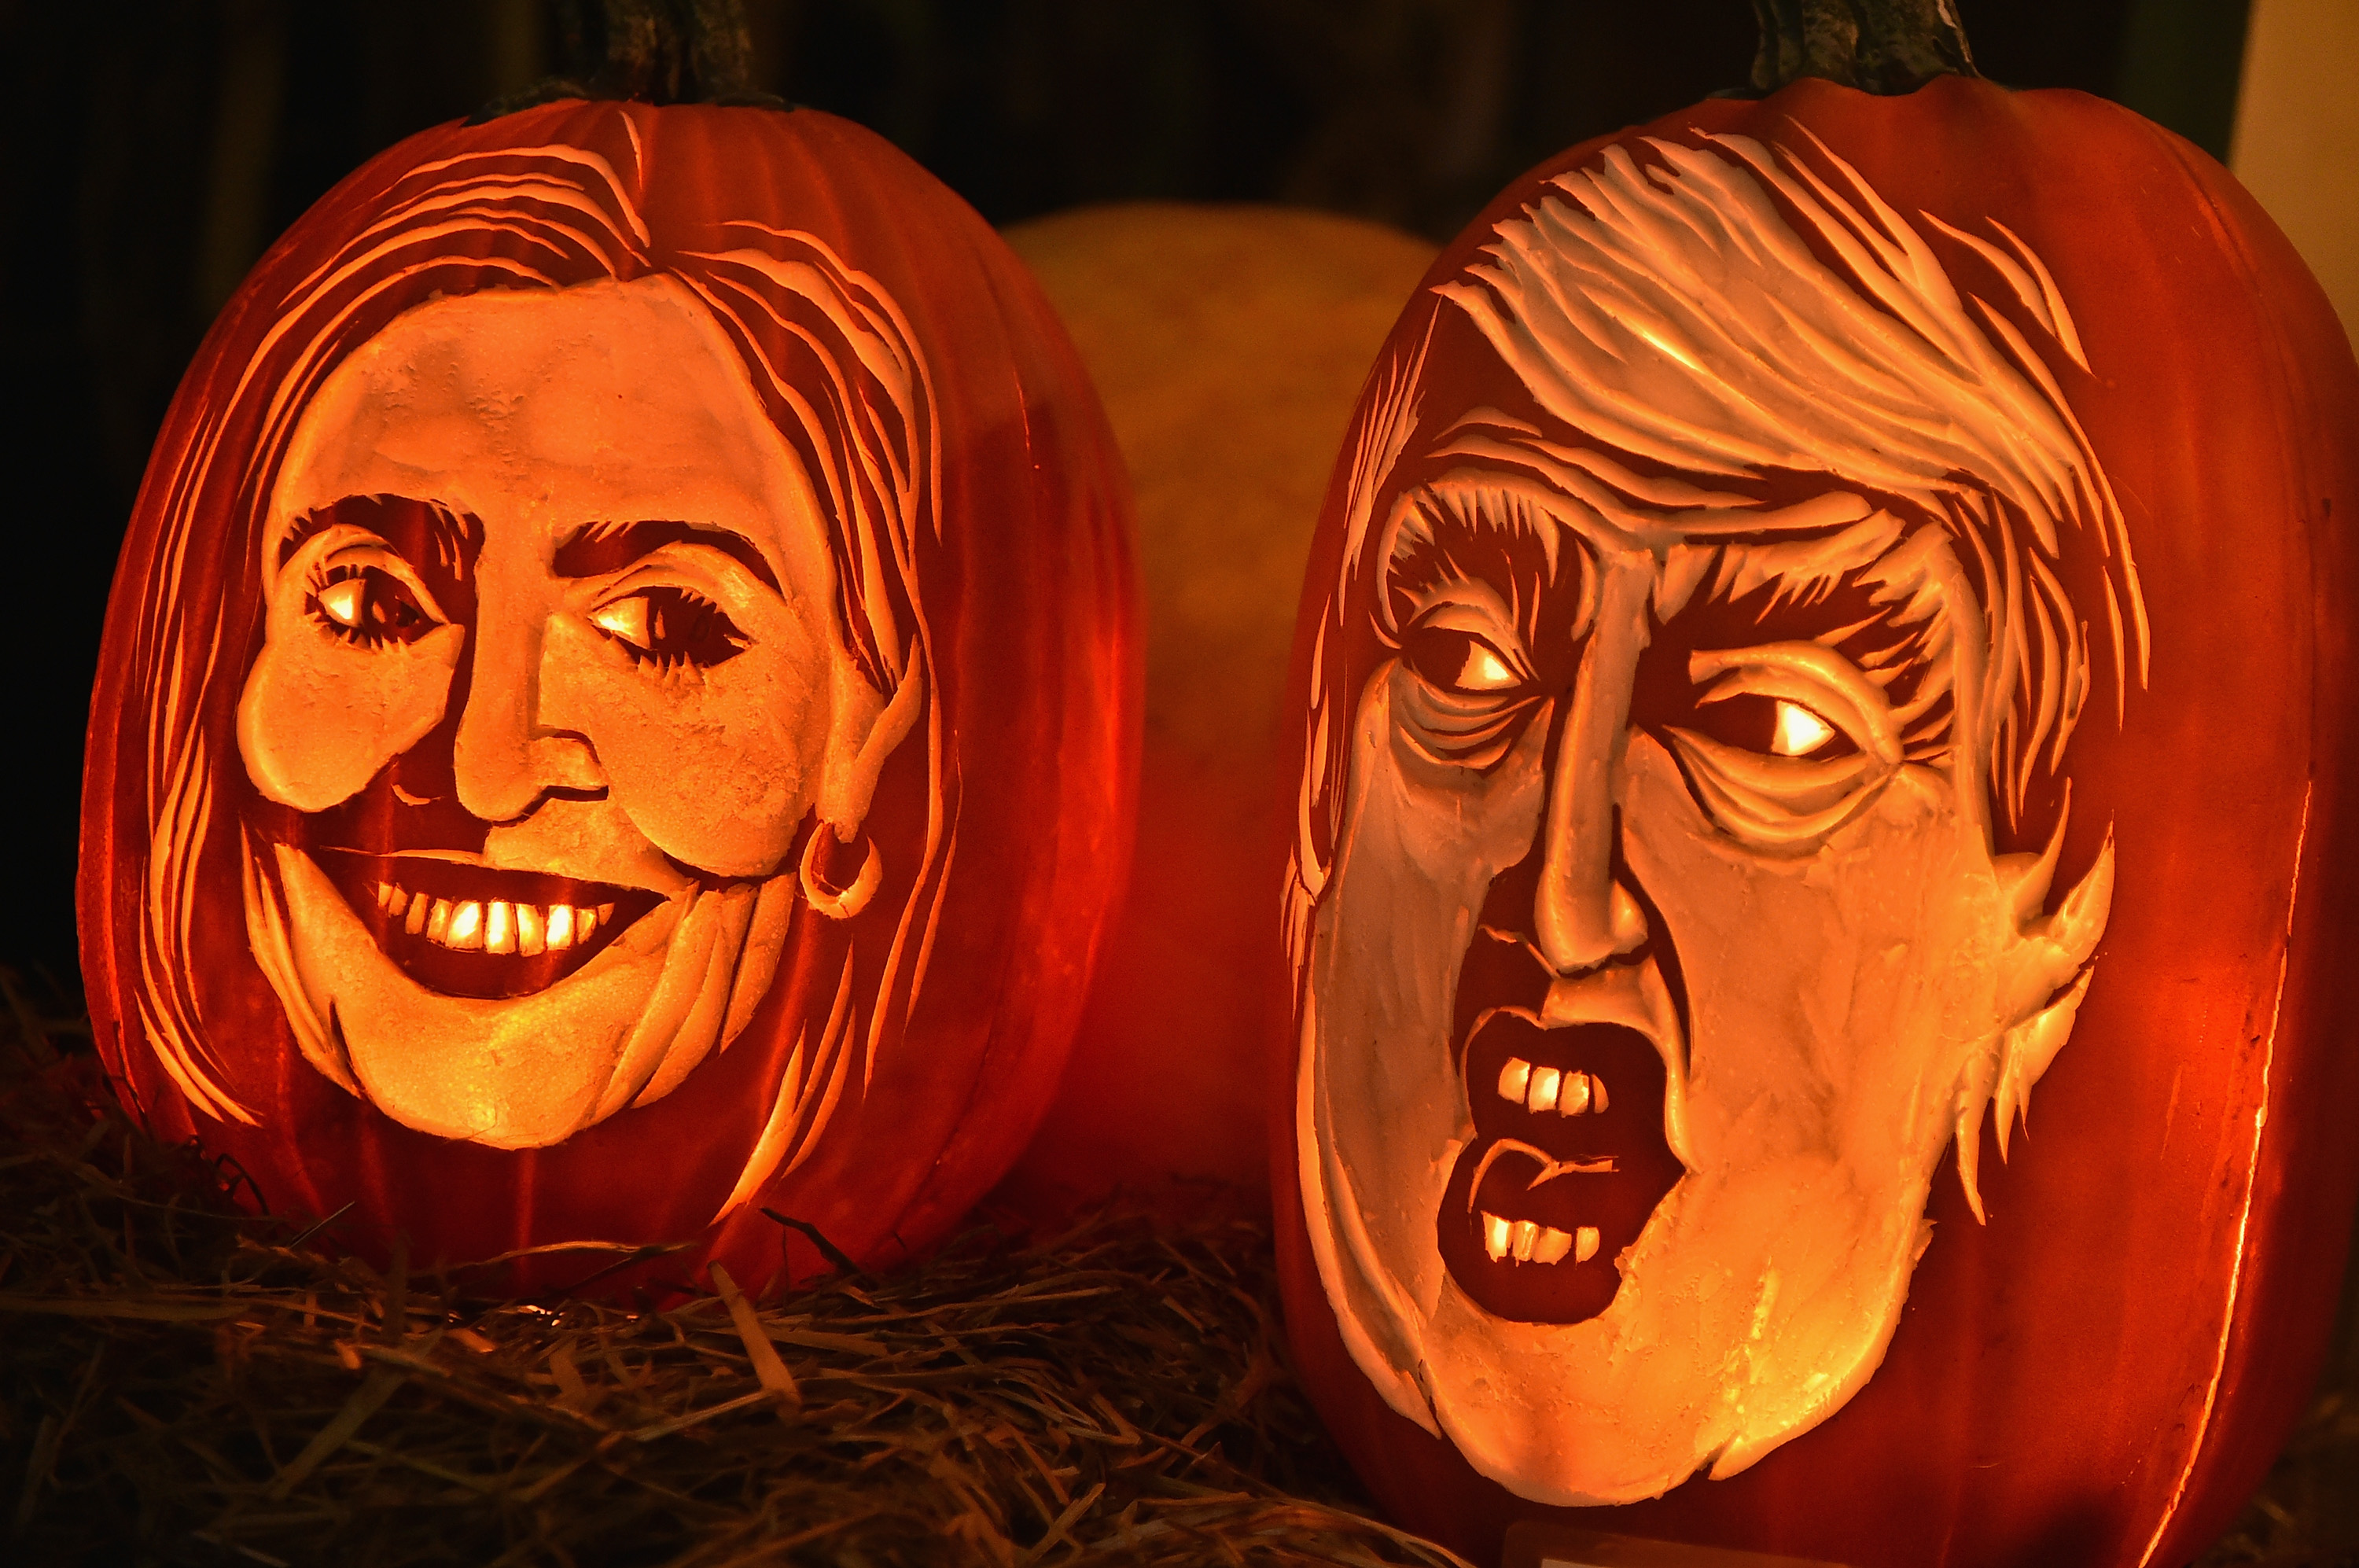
{"points": [[368, 607], [1775, 726], [1459, 662], [1797, 732], [671, 627]]}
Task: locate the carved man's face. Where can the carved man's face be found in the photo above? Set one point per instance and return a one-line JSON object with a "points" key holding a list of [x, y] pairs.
{"points": [[1664, 945], [1664, 930], [551, 676]]}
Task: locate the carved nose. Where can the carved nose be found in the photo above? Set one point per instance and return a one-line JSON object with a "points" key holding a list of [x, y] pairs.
{"points": [[1578, 931], [502, 761], [1583, 916]]}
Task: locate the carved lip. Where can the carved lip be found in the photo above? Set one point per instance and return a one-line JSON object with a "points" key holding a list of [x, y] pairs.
{"points": [[595, 914], [1602, 1172]]}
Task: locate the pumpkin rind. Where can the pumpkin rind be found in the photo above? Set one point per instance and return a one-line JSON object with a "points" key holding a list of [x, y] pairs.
{"points": [[2099, 1373], [1003, 816], [1227, 343]]}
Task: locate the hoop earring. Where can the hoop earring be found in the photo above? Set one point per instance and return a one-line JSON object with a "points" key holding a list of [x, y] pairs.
{"points": [[839, 903]]}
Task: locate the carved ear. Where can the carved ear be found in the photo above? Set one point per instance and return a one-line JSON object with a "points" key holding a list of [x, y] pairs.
{"points": [[2068, 937], [865, 729], [2061, 945], [2047, 976]]}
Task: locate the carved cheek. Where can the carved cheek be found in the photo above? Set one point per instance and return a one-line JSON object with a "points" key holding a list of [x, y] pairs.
{"points": [[1454, 820], [319, 718], [717, 767], [1820, 988]]}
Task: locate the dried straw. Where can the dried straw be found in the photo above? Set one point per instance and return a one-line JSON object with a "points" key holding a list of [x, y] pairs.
{"points": [[188, 1385]]}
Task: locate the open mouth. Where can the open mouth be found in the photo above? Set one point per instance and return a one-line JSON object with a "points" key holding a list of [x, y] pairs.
{"points": [[1568, 1161], [466, 930]]}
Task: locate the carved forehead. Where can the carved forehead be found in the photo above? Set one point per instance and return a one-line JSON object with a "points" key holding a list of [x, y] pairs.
{"points": [[605, 403], [1536, 517]]}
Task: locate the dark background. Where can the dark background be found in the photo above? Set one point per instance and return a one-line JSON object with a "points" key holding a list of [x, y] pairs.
{"points": [[155, 150]]}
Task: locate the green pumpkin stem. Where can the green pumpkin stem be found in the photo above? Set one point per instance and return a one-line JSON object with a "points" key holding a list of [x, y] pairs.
{"points": [[658, 51], [1886, 46]]}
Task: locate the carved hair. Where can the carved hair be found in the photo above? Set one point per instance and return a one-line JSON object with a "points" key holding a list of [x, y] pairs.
{"points": [[832, 359], [1727, 314]]}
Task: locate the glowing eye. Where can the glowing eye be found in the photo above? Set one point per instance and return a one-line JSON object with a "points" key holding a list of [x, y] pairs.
{"points": [[1484, 670], [624, 618], [367, 608], [345, 601], [1798, 731], [671, 627], [1461, 663]]}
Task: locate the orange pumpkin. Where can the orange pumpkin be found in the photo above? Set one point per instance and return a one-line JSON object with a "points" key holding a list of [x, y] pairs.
{"points": [[617, 711], [1831, 638], [1227, 343]]}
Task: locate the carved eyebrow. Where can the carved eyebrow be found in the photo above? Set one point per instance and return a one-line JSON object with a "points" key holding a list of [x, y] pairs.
{"points": [[1796, 568], [1869, 594], [1462, 526], [424, 533], [596, 548], [1876, 554], [1469, 506]]}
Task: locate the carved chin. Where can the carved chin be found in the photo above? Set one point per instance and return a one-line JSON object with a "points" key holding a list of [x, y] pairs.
{"points": [[1753, 1305], [584, 1039], [1757, 1297]]}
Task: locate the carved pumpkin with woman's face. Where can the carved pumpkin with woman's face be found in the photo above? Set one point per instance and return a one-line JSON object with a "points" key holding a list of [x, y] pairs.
{"points": [[614, 710]]}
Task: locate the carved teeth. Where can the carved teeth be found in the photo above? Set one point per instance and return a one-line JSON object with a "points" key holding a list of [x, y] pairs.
{"points": [[1538, 1089], [493, 926], [1526, 1241], [1516, 1080]]}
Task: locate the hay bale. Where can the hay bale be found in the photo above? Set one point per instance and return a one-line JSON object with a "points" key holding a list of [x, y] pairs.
{"points": [[192, 1384]]}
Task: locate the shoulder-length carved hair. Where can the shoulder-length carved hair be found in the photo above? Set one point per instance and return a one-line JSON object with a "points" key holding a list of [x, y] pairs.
{"points": [[833, 361]]}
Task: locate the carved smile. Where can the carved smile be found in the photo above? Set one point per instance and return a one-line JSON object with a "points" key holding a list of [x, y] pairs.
{"points": [[1568, 1161], [466, 930]]}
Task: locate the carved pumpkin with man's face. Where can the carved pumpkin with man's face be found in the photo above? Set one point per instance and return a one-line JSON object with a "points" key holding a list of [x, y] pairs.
{"points": [[613, 712], [1827, 656]]}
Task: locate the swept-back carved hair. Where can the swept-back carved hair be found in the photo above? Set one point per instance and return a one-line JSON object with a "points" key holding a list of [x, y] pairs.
{"points": [[832, 358], [1731, 313]]}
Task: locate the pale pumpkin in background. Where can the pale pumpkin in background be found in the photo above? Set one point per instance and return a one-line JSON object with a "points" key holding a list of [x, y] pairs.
{"points": [[1228, 343]]}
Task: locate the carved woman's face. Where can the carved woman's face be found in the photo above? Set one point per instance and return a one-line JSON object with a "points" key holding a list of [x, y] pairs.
{"points": [[551, 676]]}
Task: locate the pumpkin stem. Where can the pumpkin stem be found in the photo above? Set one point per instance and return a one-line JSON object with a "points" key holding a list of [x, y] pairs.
{"points": [[658, 51], [1886, 46]]}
